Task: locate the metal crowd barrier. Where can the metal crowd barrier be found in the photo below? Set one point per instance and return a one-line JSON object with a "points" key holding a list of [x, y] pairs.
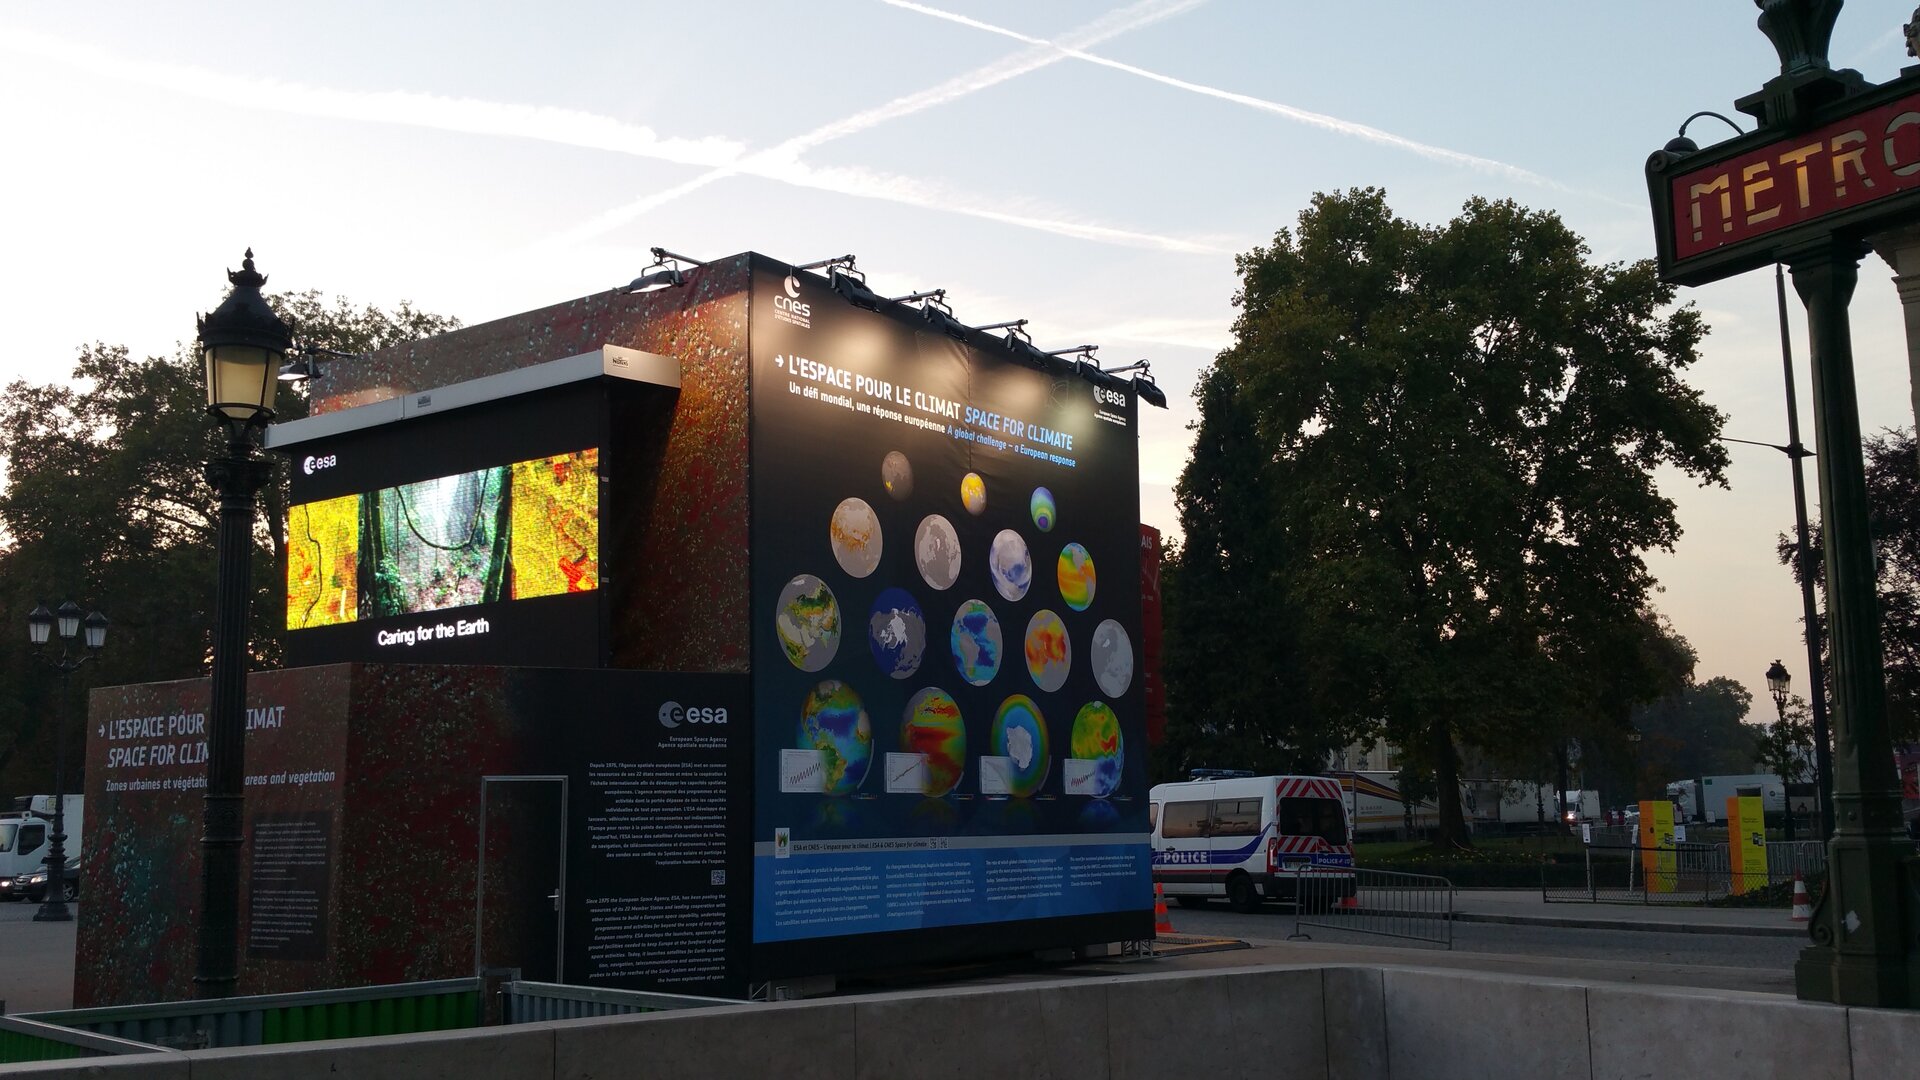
{"points": [[1418, 907], [1682, 874], [530, 1002], [1785, 858]]}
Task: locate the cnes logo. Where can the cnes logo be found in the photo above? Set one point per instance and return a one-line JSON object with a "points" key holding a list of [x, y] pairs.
{"points": [[790, 303], [673, 714], [313, 464]]}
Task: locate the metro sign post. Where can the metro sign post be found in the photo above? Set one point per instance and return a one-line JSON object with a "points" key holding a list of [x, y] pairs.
{"points": [[1833, 163]]}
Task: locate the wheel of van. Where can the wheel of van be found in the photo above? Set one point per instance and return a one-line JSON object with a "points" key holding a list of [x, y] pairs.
{"points": [[70, 891], [1242, 896]]}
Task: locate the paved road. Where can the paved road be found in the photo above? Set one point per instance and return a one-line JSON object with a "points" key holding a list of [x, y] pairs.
{"points": [[36, 959], [37, 969], [1717, 950]]}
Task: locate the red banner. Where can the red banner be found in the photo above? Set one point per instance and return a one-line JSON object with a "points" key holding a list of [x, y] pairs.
{"points": [[1152, 681], [1846, 164]]}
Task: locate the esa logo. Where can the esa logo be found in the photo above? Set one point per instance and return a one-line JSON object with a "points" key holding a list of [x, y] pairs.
{"points": [[1104, 396], [672, 715], [313, 464], [790, 303]]}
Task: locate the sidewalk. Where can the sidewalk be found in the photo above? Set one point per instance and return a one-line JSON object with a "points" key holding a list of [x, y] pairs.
{"points": [[1525, 907]]}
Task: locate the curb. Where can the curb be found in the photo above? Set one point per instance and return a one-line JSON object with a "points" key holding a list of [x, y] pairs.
{"points": [[1575, 923]]}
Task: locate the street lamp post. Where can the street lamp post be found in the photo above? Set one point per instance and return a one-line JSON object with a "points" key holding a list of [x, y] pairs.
{"points": [[40, 627], [1777, 683], [242, 343]]}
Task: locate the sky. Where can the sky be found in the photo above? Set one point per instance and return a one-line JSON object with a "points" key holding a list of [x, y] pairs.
{"points": [[1092, 166]]}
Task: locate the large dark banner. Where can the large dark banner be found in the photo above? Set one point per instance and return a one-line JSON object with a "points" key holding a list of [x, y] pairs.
{"points": [[658, 773], [410, 822], [946, 612]]}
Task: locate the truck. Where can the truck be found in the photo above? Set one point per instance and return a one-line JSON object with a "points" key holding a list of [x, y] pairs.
{"points": [[1374, 804], [1506, 805], [25, 835], [1705, 799], [1581, 806]]}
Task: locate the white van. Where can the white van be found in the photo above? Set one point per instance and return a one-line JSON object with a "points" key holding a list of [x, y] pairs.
{"points": [[24, 834], [1249, 838]]}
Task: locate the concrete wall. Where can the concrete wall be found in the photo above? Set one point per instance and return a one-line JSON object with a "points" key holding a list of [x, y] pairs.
{"points": [[1343, 1023]]}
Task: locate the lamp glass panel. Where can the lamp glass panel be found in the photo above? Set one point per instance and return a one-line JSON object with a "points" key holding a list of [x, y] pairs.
{"points": [[40, 626], [96, 630], [241, 378], [69, 621]]}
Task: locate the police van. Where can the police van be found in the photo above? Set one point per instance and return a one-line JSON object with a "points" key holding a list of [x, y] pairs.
{"points": [[1249, 838]]}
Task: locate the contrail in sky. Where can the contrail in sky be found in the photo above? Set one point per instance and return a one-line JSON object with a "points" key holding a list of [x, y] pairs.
{"points": [[782, 161], [569, 127], [1320, 120]]}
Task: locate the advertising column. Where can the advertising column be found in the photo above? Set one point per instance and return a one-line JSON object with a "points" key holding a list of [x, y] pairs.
{"points": [[949, 714], [1746, 843], [1656, 844]]}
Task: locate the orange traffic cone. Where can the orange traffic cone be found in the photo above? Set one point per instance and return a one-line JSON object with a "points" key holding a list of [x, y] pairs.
{"points": [[1162, 922], [1802, 903]]}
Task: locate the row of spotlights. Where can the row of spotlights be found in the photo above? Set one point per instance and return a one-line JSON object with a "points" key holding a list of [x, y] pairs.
{"points": [[850, 283]]}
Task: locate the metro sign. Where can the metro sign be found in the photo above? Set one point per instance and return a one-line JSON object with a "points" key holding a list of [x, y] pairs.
{"points": [[1733, 207]]}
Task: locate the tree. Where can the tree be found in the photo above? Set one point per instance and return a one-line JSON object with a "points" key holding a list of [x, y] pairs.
{"points": [[1785, 747], [1893, 500], [104, 503], [1452, 431], [1697, 732], [1239, 693]]}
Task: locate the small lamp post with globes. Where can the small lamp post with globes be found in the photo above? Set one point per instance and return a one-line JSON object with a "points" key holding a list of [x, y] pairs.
{"points": [[40, 628], [1777, 683], [243, 343]]}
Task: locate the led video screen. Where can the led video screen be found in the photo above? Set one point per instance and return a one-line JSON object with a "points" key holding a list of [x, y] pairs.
{"points": [[430, 561]]}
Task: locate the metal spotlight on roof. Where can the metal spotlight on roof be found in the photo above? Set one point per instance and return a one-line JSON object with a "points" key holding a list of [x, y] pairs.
{"points": [[1143, 383], [852, 284], [665, 273], [940, 318]]}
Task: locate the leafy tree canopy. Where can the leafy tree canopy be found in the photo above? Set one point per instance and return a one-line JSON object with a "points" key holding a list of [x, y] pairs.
{"points": [[104, 504], [1697, 732], [1428, 458], [1893, 501]]}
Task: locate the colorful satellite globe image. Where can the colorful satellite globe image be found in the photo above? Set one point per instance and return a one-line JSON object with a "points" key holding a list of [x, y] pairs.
{"points": [[855, 531], [1096, 738], [1020, 736], [973, 494], [1011, 565], [1049, 653], [1076, 577], [1112, 658], [897, 633], [896, 474], [936, 551], [932, 727], [1041, 506], [834, 722], [976, 641], [807, 618]]}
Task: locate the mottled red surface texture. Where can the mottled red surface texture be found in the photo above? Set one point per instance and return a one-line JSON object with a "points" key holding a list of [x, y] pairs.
{"points": [[676, 569], [406, 747]]}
